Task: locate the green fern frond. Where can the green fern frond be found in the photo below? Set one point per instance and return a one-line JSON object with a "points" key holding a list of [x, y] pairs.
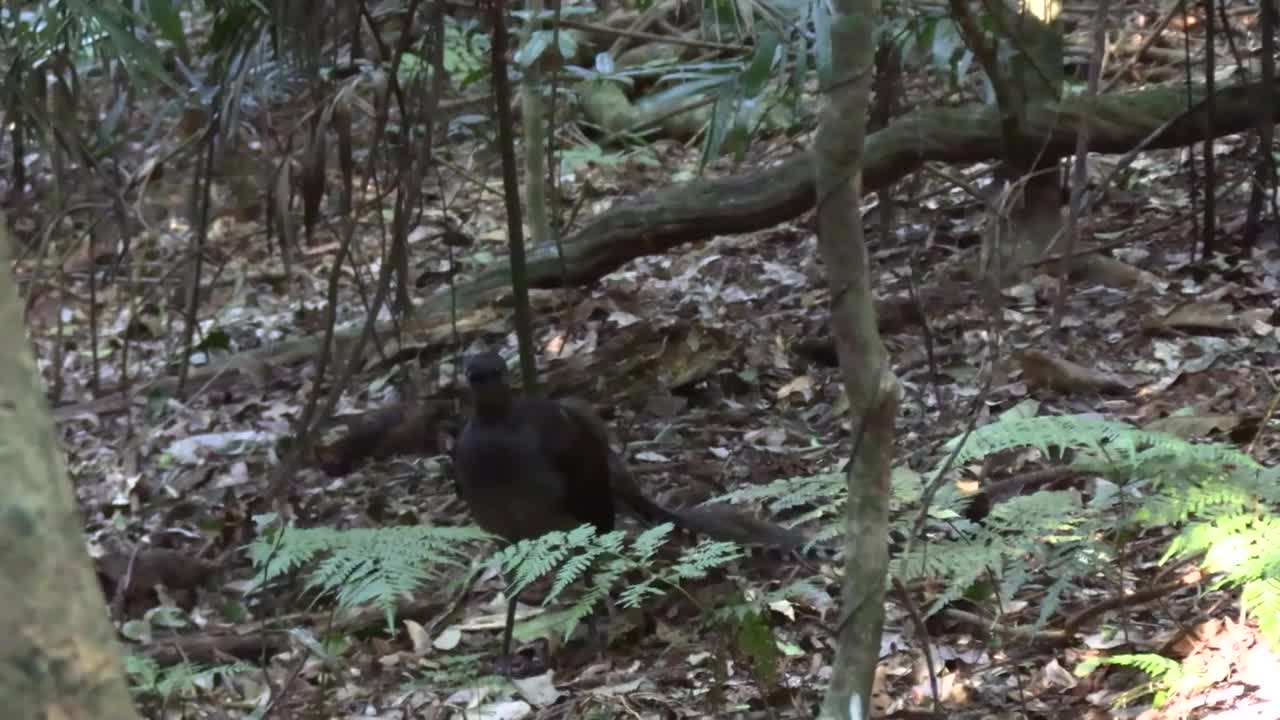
{"points": [[633, 595], [358, 580], [1221, 496], [1015, 577], [364, 565], [532, 558], [147, 677], [1064, 579], [606, 559], [648, 542], [1159, 668], [825, 491], [1049, 515], [1261, 598], [827, 533], [573, 569], [707, 554], [1167, 676], [1046, 434], [796, 588]]}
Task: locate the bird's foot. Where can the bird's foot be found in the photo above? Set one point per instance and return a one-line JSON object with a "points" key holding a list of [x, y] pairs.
{"points": [[502, 666], [517, 665]]}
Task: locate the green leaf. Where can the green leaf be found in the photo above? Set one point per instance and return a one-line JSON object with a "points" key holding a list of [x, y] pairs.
{"points": [[216, 339], [692, 88], [1025, 409], [739, 137], [132, 51], [167, 20], [722, 115], [531, 50], [755, 640], [756, 75]]}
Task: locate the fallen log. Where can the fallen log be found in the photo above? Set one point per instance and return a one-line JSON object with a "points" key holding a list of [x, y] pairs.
{"points": [[656, 222], [653, 223]]}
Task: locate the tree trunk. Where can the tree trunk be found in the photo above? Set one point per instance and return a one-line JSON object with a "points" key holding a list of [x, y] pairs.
{"points": [[59, 657], [839, 156]]}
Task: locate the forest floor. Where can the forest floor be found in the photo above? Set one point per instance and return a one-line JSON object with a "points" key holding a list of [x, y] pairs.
{"points": [[191, 474], [187, 477]]}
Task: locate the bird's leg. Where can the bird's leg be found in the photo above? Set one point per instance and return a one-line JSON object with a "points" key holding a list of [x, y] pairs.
{"points": [[597, 639], [504, 660]]}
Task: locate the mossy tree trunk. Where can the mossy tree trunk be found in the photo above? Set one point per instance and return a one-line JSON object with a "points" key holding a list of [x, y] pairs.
{"points": [[59, 658], [839, 155]]}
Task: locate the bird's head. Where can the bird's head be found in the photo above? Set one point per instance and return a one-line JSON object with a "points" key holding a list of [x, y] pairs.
{"points": [[487, 375]]}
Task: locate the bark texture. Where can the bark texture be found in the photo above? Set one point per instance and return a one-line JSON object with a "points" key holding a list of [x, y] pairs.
{"points": [[839, 157], [59, 658]]}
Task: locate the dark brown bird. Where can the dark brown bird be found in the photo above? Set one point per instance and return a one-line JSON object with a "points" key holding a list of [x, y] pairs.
{"points": [[527, 466]]}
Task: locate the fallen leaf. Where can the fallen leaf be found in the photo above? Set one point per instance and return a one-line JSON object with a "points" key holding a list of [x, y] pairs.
{"points": [[625, 688], [193, 449], [802, 385], [448, 639], [1056, 676], [538, 690], [783, 607], [509, 710]]}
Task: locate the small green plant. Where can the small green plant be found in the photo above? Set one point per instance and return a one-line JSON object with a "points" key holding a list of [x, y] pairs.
{"points": [[1221, 500], [1167, 676], [363, 565], [383, 565], [603, 561], [148, 678], [466, 51]]}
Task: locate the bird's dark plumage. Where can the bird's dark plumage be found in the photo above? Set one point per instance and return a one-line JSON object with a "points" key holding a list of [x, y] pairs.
{"points": [[527, 466]]}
